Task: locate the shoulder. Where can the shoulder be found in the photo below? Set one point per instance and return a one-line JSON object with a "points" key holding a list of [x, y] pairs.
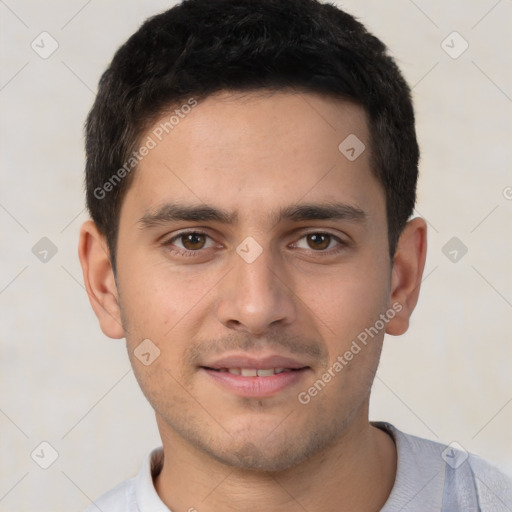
{"points": [[445, 476], [491, 488]]}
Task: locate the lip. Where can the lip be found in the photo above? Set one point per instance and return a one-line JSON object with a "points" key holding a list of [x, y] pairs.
{"points": [[255, 387], [259, 363]]}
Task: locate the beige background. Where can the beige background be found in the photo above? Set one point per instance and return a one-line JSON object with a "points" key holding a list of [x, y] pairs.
{"points": [[63, 382]]}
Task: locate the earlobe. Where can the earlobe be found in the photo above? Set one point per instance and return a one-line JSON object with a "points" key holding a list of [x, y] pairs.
{"points": [[99, 279], [408, 265]]}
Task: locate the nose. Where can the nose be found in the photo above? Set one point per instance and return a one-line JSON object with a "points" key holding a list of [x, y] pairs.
{"points": [[256, 296]]}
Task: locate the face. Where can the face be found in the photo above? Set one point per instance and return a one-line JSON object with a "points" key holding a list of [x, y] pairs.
{"points": [[252, 253]]}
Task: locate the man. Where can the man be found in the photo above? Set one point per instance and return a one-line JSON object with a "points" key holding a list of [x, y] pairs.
{"points": [[251, 173]]}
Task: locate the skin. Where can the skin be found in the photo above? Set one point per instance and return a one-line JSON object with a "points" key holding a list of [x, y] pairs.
{"points": [[251, 155]]}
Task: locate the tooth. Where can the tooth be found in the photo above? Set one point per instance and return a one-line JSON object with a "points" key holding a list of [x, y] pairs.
{"points": [[249, 372], [278, 370], [234, 371], [266, 373]]}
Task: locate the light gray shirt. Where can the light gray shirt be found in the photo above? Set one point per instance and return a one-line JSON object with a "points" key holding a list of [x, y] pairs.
{"points": [[431, 477]]}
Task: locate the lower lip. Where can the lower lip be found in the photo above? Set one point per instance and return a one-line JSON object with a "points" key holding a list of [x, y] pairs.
{"points": [[256, 387]]}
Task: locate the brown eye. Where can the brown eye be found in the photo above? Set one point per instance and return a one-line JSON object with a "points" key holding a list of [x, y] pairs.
{"points": [[318, 241], [321, 242], [190, 244], [193, 241]]}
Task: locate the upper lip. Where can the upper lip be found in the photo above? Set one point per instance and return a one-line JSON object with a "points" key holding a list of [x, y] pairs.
{"points": [[258, 363]]}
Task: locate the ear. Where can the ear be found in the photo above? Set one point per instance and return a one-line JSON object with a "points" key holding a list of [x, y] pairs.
{"points": [[99, 279], [408, 265]]}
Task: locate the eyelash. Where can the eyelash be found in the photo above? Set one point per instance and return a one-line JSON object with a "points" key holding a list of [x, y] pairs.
{"points": [[189, 253]]}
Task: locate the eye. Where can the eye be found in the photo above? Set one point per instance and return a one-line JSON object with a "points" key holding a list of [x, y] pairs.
{"points": [[190, 241], [318, 241]]}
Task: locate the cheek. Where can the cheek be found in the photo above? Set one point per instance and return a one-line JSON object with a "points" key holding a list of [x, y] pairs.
{"points": [[162, 385], [167, 306], [155, 297], [347, 300], [158, 315], [346, 310]]}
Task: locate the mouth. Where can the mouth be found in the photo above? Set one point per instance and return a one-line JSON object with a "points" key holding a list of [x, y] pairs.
{"points": [[251, 377], [254, 372]]}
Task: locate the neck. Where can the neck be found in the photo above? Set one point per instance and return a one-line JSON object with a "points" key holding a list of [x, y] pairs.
{"points": [[356, 473]]}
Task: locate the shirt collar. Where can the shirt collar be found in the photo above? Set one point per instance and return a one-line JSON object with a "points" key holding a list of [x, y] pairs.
{"points": [[420, 473], [146, 496]]}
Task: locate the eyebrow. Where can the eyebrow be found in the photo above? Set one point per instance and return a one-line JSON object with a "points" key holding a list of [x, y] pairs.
{"points": [[172, 212]]}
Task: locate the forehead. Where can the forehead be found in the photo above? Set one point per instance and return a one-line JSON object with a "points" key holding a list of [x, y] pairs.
{"points": [[257, 152]]}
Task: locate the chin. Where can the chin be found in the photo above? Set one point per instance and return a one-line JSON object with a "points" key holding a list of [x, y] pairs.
{"points": [[251, 458], [262, 455]]}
